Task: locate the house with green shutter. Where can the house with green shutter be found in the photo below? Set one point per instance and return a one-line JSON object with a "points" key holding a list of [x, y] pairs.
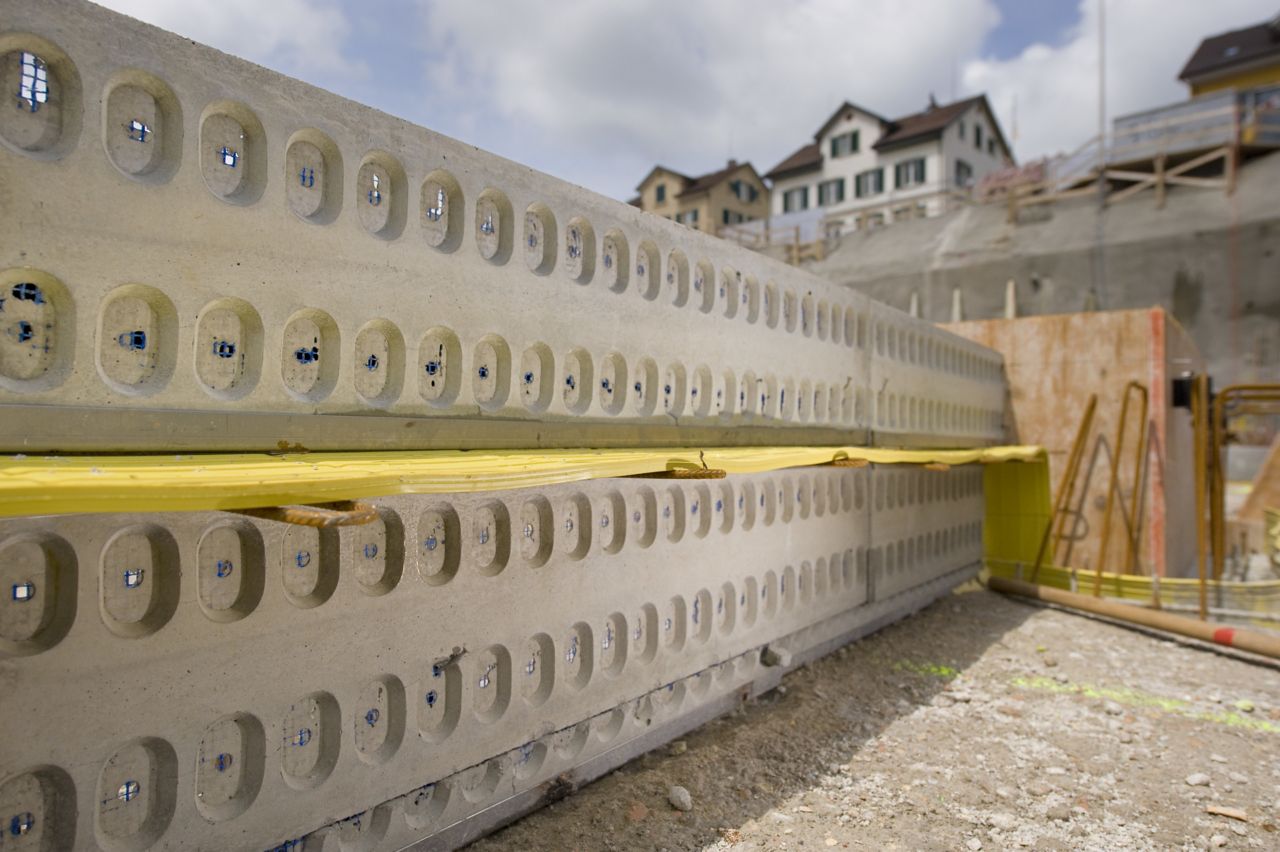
{"points": [[863, 169]]}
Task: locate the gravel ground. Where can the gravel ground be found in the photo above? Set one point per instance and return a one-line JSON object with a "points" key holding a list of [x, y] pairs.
{"points": [[980, 723]]}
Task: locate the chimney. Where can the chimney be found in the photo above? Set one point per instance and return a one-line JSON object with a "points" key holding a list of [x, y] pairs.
{"points": [[733, 163]]}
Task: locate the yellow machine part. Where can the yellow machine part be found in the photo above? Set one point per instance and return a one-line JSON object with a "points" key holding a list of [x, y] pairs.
{"points": [[1018, 507], [40, 485]]}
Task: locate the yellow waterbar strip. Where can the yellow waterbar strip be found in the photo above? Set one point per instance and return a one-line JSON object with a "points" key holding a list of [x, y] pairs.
{"points": [[47, 485]]}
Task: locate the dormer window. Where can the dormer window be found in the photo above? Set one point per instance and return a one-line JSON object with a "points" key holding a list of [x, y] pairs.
{"points": [[844, 144], [743, 191]]}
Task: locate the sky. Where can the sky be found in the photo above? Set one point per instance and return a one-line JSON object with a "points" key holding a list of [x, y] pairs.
{"points": [[597, 91]]}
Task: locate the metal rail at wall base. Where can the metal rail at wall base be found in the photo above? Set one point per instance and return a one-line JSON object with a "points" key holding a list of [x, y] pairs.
{"points": [[246, 280]]}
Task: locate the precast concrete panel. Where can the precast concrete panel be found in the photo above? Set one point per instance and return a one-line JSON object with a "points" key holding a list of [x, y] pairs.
{"points": [[199, 254], [241, 681], [189, 234]]}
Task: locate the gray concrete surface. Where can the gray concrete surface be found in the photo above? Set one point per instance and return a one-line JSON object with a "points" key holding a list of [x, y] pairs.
{"points": [[281, 257], [206, 680], [267, 248]]}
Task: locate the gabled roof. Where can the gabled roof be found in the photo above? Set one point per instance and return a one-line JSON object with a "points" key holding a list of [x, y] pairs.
{"points": [[804, 159], [929, 122], [702, 183], [933, 121], [899, 131], [841, 110], [662, 168], [810, 156], [1239, 47]]}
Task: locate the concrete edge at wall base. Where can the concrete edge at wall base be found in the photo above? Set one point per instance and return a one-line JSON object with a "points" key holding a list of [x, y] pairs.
{"points": [[86, 429], [878, 615]]}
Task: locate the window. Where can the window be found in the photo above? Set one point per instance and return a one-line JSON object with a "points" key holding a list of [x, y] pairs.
{"points": [[977, 136], [660, 192], [844, 144], [869, 183], [962, 128], [964, 173], [795, 199], [33, 84], [743, 191], [830, 192], [688, 217], [909, 172], [732, 217], [991, 145]]}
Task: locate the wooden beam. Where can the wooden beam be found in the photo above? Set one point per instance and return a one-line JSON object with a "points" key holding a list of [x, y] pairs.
{"points": [[1060, 196], [1207, 183], [1132, 189], [1233, 165], [1160, 182], [1203, 159], [1124, 174]]}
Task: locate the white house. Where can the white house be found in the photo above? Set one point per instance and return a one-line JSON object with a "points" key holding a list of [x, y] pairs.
{"points": [[863, 169]]}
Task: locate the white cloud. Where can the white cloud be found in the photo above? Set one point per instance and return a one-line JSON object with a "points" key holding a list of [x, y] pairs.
{"points": [[598, 91], [304, 37], [1148, 42]]}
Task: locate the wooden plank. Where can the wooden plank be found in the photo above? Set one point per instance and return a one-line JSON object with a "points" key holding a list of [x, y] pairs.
{"points": [[1161, 183], [1134, 189], [1175, 120], [1203, 159], [1125, 174], [1205, 183]]}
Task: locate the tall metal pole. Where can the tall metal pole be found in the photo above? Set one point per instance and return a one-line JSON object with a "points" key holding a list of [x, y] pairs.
{"points": [[1100, 266]]}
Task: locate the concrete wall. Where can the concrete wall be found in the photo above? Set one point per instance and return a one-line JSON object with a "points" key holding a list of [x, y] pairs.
{"points": [[271, 250], [1211, 260], [256, 681], [192, 680]]}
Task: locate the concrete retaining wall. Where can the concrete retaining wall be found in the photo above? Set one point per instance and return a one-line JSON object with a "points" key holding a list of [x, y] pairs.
{"points": [[1209, 259]]}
